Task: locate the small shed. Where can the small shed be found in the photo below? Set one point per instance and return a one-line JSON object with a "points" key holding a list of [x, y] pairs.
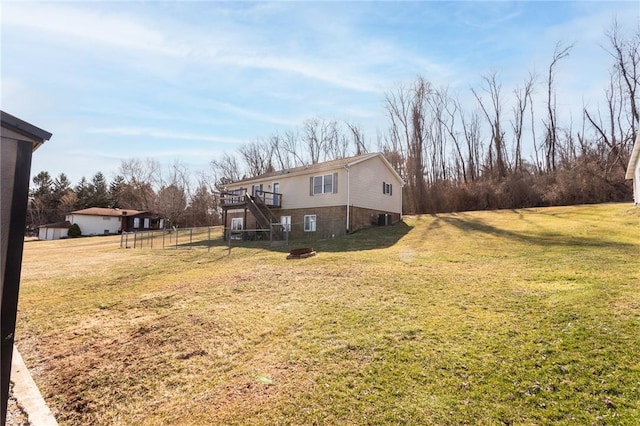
{"points": [[54, 231]]}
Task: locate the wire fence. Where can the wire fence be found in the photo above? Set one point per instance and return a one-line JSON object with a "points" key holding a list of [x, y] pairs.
{"points": [[173, 238], [208, 238]]}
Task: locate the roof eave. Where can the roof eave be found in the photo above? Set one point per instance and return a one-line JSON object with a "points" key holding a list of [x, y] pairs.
{"points": [[37, 134]]}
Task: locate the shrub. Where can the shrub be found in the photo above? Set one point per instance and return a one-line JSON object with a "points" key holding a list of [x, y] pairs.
{"points": [[74, 231]]}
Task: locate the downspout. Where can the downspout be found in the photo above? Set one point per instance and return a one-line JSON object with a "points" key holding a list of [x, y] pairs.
{"points": [[346, 167]]}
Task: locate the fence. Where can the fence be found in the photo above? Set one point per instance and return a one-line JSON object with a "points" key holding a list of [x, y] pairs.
{"points": [[176, 238], [218, 236]]}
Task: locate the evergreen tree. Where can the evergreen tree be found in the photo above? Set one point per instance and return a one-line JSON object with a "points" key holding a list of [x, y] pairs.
{"points": [[117, 189], [41, 208], [84, 194], [99, 191], [64, 198]]}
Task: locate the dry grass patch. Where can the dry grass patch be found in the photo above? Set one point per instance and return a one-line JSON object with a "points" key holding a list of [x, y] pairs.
{"points": [[527, 316]]}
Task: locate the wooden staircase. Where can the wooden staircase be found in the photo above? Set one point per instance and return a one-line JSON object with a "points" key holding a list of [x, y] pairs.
{"points": [[263, 214]]}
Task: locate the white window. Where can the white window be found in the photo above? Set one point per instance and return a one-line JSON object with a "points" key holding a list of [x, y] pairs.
{"points": [[286, 223], [387, 188], [136, 222], [322, 184], [317, 185], [236, 223], [146, 223], [310, 223]]}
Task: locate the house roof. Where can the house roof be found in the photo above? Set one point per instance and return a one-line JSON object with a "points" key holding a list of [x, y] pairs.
{"points": [[101, 211], [27, 129], [318, 167], [635, 157], [64, 224]]}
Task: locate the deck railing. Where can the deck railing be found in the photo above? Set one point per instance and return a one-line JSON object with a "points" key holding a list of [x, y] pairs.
{"points": [[236, 198]]}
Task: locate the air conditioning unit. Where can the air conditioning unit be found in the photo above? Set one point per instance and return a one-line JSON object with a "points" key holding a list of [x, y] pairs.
{"points": [[384, 219]]}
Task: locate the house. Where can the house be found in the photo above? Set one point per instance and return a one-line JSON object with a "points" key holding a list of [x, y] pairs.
{"points": [[54, 231], [104, 221], [322, 200], [633, 170]]}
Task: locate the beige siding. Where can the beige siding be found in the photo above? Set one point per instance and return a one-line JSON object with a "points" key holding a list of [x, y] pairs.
{"points": [[295, 190], [366, 187]]}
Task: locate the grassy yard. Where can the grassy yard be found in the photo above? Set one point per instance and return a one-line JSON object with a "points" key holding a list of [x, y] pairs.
{"points": [[516, 317]]}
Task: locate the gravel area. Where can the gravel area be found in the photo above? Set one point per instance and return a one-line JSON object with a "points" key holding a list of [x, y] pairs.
{"points": [[15, 415]]}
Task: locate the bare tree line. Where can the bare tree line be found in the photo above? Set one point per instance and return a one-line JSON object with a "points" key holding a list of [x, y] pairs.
{"points": [[453, 158], [317, 140], [501, 151]]}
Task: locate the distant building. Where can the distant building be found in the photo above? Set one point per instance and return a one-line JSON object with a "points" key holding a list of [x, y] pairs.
{"points": [[53, 231], [105, 221], [633, 170]]}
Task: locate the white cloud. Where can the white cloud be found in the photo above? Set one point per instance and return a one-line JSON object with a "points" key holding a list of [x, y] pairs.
{"points": [[88, 27], [162, 134]]}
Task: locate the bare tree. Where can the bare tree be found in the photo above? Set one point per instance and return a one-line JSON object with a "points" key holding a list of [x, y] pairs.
{"points": [[321, 139], [497, 161], [626, 53], [617, 128], [358, 138], [140, 176], [406, 111], [225, 171], [257, 156], [453, 109], [471, 130], [551, 125], [523, 95]]}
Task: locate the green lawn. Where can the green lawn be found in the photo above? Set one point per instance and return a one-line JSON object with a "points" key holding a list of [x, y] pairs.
{"points": [[516, 317]]}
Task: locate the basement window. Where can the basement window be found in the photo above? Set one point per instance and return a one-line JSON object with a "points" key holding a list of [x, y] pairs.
{"points": [[310, 223]]}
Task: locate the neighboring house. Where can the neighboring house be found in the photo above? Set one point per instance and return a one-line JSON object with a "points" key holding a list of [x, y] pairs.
{"points": [[324, 199], [633, 170], [104, 221], [53, 231]]}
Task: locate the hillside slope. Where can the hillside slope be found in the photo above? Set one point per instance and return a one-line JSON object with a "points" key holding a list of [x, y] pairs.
{"points": [[517, 317]]}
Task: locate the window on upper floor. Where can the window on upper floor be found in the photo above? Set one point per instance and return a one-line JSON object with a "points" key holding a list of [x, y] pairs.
{"points": [[387, 188], [325, 184]]}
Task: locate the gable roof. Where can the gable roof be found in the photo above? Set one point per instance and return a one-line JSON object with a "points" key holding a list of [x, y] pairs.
{"points": [[635, 157], [320, 167], [101, 211], [63, 224]]}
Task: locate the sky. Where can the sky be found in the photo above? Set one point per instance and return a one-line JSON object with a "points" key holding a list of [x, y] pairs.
{"points": [[191, 80]]}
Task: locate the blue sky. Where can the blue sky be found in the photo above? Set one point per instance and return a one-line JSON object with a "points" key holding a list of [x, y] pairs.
{"points": [[190, 80]]}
